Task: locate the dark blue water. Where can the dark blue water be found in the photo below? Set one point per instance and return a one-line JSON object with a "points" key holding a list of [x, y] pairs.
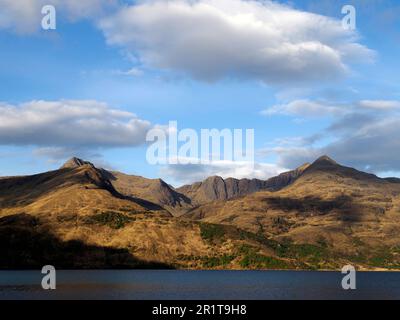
{"points": [[123, 284]]}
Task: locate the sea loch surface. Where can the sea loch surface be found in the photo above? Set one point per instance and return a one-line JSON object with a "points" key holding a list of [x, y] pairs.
{"points": [[198, 285]]}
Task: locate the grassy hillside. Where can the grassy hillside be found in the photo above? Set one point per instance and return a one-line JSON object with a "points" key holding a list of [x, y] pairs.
{"points": [[76, 217]]}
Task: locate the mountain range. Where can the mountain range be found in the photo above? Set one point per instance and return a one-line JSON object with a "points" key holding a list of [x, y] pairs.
{"points": [[319, 216]]}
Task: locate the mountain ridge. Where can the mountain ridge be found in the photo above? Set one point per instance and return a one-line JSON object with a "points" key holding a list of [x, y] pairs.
{"points": [[216, 188], [319, 216]]}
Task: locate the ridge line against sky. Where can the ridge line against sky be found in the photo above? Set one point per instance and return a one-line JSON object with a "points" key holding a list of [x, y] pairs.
{"points": [[112, 70]]}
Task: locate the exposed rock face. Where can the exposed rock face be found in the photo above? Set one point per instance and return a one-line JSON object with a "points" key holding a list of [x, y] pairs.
{"points": [[286, 178], [242, 187], [217, 188], [75, 163]]}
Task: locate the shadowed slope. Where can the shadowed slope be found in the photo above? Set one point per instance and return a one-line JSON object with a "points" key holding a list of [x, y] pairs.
{"points": [[322, 215], [153, 190], [327, 201], [77, 188], [26, 244]]}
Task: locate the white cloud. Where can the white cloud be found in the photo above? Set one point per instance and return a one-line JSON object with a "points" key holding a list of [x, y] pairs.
{"points": [[369, 143], [189, 173], [364, 134], [214, 39], [293, 157], [24, 16], [305, 108], [374, 145], [380, 104], [69, 123], [310, 108]]}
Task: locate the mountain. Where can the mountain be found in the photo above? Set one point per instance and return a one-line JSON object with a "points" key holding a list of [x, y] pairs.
{"points": [[217, 188], [393, 180], [77, 188], [80, 216], [319, 216], [153, 190], [286, 178], [352, 213], [323, 179], [75, 163]]}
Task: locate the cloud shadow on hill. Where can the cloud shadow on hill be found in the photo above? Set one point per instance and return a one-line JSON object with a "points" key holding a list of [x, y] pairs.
{"points": [[310, 205]]}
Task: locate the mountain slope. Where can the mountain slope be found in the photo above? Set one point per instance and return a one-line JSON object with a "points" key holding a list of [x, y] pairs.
{"points": [[286, 178], [78, 189], [75, 218], [319, 216], [153, 190], [216, 188], [328, 202]]}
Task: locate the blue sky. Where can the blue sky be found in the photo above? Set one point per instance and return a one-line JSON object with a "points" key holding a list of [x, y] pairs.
{"points": [[314, 107]]}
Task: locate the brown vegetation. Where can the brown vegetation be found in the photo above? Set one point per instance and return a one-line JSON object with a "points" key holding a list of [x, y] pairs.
{"points": [[319, 216]]}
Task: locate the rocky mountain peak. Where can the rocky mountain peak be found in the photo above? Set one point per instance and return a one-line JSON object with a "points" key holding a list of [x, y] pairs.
{"points": [[325, 160], [75, 163]]}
